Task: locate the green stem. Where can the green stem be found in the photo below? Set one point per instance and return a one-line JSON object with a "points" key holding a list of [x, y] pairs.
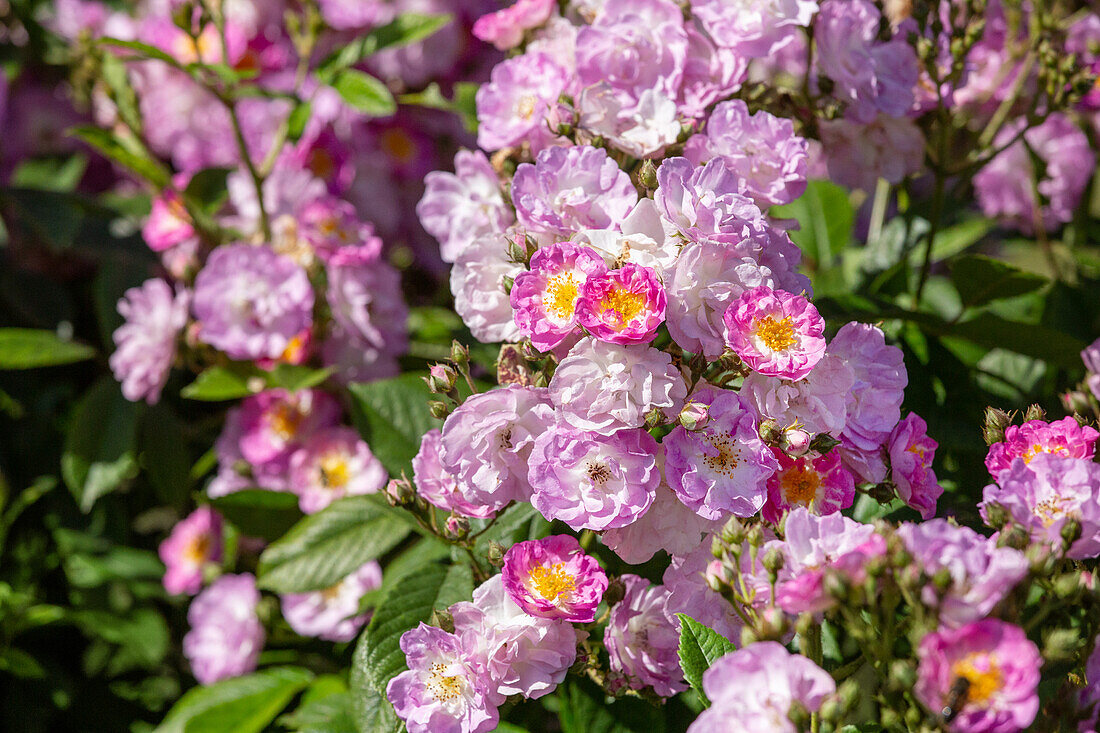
{"points": [[878, 211]]}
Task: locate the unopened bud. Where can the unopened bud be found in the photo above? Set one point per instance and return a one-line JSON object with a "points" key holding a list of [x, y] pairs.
{"points": [[653, 418], [836, 586], [748, 636], [1071, 532], [733, 532], [773, 561], [1015, 537], [774, 624], [942, 581], [1034, 412], [717, 576], [399, 492], [755, 536], [495, 553], [1067, 585], [795, 442], [647, 174], [441, 378], [995, 423], [902, 675], [1061, 645], [694, 416], [799, 715], [439, 410], [460, 355], [456, 527], [771, 433], [849, 694], [823, 443], [1076, 402], [803, 624], [889, 718], [996, 516], [717, 547]]}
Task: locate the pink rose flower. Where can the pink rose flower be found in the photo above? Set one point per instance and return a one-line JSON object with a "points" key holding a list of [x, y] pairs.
{"points": [[624, 306], [553, 578], [778, 334]]}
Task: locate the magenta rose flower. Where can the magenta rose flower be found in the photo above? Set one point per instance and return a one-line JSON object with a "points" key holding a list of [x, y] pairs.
{"points": [[752, 689], [251, 302], [982, 574], [1045, 494], [226, 635], [1063, 437], [911, 453], [593, 481], [553, 578], [819, 483], [1000, 667], [624, 306], [776, 333], [194, 543], [275, 423], [333, 613], [545, 298], [331, 464], [504, 28], [642, 638], [725, 466], [445, 689]]}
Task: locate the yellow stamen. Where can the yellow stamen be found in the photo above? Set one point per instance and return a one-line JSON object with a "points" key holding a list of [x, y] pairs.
{"points": [[728, 458], [398, 145], [198, 549], [981, 671], [442, 687], [626, 306], [776, 335], [561, 295], [334, 470], [285, 421], [552, 582], [800, 484]]}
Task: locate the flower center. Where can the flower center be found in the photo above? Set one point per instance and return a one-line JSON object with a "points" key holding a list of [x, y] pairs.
{"points": [[552, 582], [443, 687], [525, 107], [398, 145], [285, 421], [197, 550], [776, 335], [624, 304], [321, 163], [800, 484], [598, 473], [561, 296], [1050, 510], [333, 468], [1036, 449], [727, 459], [981, 671]]}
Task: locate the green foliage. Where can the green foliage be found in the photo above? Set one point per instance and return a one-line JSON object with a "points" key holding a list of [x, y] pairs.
{"points": [[126, 152], [259, 512], [584, 708], [25, 348], [392, 415], [99, 455], [323, 548], [239, 705], [982, 279], [699, 648], [403, 30], [365, 93], [378, 656]]}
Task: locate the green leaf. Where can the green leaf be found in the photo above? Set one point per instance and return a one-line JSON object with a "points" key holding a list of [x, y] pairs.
{"points": [[259, 512], [26, 348], [586, 709], [365, 93], [331, 714], [955, 239], [862, 728], [50, 174], [378, 656], [292, 377], [297, 120], [517, 523], [125, 152], [826, 217], [143, 50], [325, 547], [99, 444], [1029, 339], [699, 648], [462, 104], [980, 279], [113, 72], [217, 384], [207, 188], [404, 29], [392, 415], [239, 705], [164, 455], [373, 712]]}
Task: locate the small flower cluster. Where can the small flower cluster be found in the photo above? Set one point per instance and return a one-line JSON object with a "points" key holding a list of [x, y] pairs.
{"points": [[515, 638]]}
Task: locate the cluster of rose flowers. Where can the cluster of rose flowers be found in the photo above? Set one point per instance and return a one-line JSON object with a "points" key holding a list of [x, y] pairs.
{"points": [[288, 269], [667, 383]]}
